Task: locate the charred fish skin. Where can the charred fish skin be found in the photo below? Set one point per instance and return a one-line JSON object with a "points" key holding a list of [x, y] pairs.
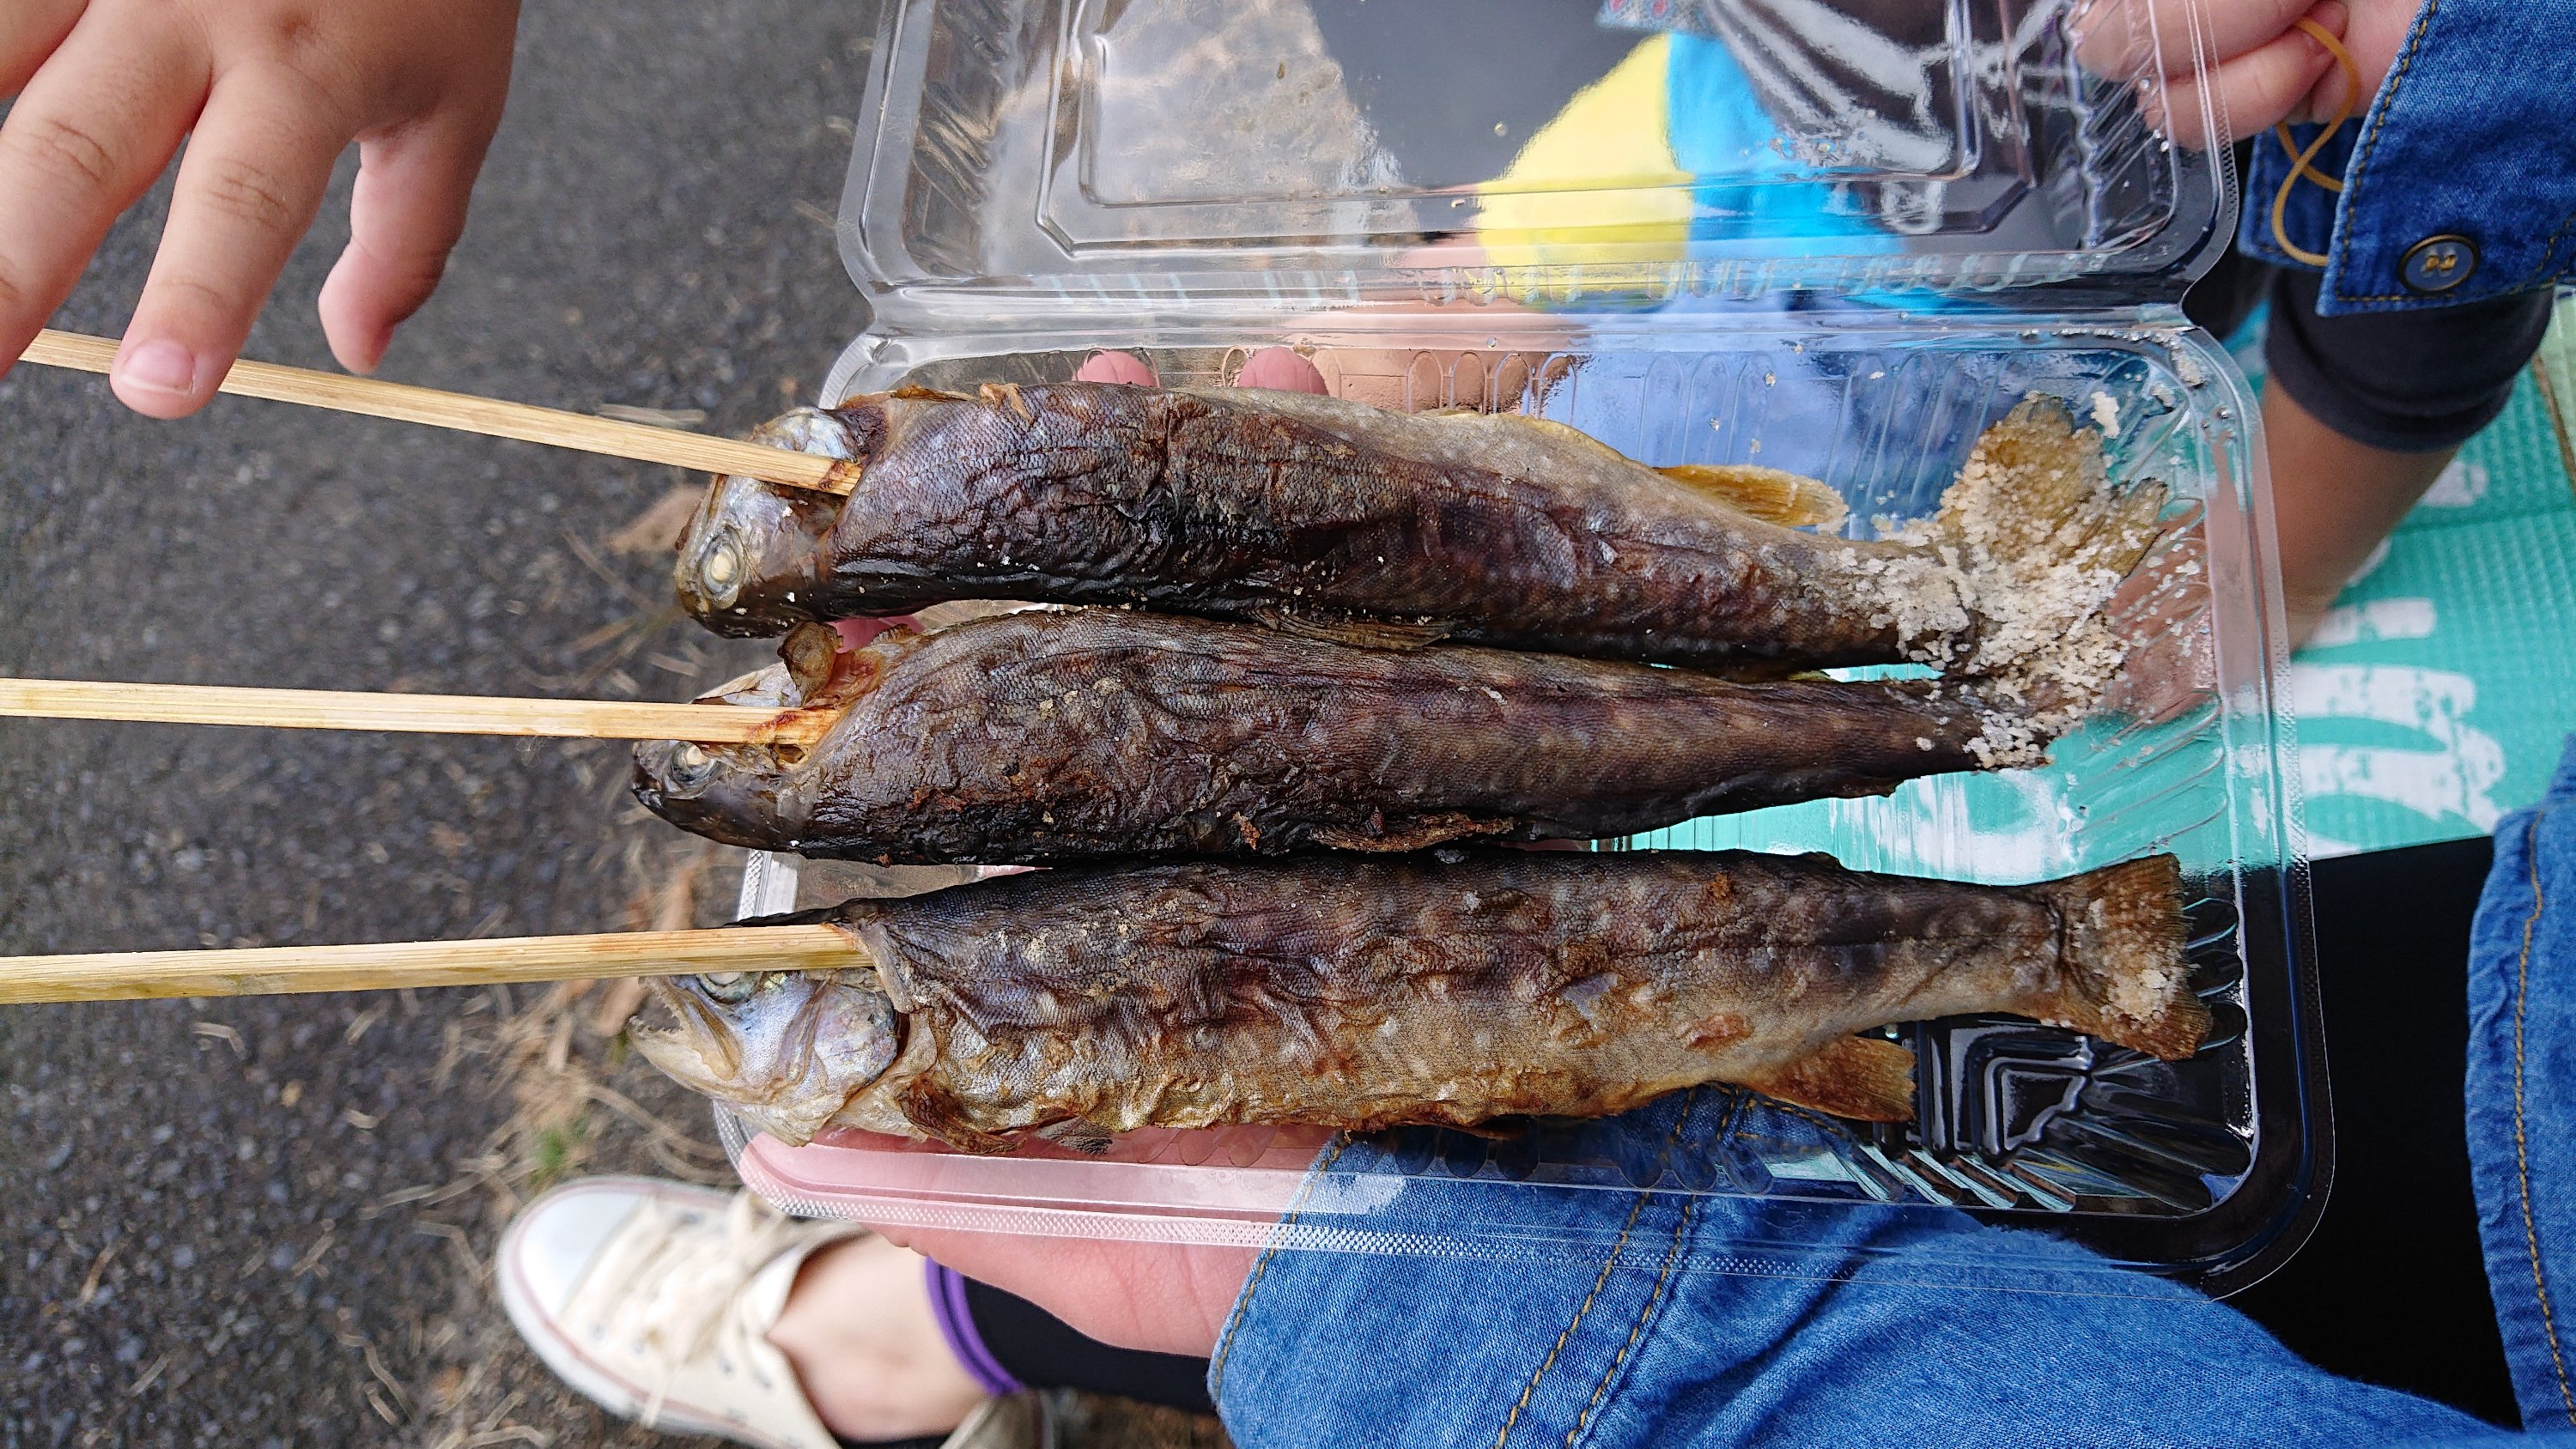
{"points": [[1064, 736], [1284, 507], [1451, 988]]}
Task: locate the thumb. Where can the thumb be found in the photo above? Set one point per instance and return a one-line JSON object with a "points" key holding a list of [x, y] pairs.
{"points": [[1158, 1297]]}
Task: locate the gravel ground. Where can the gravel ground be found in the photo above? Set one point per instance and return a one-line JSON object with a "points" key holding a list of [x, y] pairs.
{"points": [[261, 1221]]}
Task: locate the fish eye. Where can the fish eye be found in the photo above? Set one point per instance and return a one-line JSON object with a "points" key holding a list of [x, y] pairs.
{"points": [[691, 766], [721, 567], [727, 987], [724, 564]]}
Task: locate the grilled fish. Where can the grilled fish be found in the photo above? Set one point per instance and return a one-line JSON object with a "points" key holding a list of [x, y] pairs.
{"points": [[1048, 736], [1444, 988], [1320, 515]]}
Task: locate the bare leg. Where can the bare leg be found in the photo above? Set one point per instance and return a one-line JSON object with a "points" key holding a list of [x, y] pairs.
{"points": [[2336, 501], [859, 1332]]}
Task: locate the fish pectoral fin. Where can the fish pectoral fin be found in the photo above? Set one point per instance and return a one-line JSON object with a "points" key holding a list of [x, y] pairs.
{"points": [[1862, 1078], [1773, 495], [935, 1113], [1078, 1135], [1357, 633], [808, 651]]}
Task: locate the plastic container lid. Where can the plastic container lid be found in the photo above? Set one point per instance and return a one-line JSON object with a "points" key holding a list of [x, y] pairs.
{"points": [[1258, 155]]}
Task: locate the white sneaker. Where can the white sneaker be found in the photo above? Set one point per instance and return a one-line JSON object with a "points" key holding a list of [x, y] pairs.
{"points": [[656, 1298]]}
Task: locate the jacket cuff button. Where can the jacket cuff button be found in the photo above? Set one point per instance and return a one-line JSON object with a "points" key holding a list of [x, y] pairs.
{"points": [[2437, 264]]}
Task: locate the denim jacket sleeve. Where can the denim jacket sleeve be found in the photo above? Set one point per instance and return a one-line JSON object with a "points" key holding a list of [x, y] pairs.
{"points": [[2459, 182], [1672, 1319]]}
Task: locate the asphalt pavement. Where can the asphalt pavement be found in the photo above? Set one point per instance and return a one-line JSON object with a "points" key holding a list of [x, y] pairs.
{"points": [[262, 1221]]}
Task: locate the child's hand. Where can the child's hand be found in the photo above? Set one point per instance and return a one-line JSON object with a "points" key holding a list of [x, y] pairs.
{"points": [[269, 93], [2268, 69]]}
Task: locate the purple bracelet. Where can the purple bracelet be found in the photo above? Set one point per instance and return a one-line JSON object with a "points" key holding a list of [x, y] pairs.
{"points": [[957, 1326]]}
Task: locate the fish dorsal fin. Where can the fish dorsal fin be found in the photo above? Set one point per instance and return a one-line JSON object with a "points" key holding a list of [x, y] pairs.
{"points": [[1773, 495], [966, 611], [1562, 432], [914, 392], [1862, 1078], [1357, 633], [1006, 395], [764, 688]]}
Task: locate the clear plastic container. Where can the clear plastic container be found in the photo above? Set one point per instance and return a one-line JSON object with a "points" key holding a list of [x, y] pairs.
{"points": [[1854, 296]]}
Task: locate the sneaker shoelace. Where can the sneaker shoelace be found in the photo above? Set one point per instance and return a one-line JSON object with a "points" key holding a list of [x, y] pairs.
{"points": [[682, 1282]]}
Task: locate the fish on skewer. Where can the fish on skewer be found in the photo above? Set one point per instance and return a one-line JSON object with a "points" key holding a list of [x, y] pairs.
{"points": [[1331, 517], [1062, 736], [1446, 988]]}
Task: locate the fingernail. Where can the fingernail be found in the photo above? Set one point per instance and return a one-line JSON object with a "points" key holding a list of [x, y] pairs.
{"points": [[159, 367], [377, 347], [1124, 367], [1281, 369]]}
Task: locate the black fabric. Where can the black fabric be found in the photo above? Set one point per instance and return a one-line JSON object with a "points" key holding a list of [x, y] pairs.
{"points": [[2410, 382], [2392, 1289], [2227, 294], [1043, 1352]]}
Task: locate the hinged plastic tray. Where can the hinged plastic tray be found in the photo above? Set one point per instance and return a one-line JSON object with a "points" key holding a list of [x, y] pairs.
{"points": [[1854, 297]]}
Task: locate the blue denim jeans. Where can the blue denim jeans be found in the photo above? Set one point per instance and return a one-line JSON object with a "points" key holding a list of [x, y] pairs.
{"points": [[2522, 1095], [2465, 140], [1648, 1323]]}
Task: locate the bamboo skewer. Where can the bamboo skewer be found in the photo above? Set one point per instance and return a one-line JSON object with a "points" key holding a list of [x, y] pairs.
{"points": [[277, 970], [489, 416], [437, 714]]}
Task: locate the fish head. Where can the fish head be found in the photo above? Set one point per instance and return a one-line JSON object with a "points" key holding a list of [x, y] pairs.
{"points": [[785, 1049], [747, 795], [754, 559], [763, 796]]}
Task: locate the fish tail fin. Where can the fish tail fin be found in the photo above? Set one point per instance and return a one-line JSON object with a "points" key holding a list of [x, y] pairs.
{"points": [[2035, 497], [2127, 979], [1862, 1078], [2045, 540]]}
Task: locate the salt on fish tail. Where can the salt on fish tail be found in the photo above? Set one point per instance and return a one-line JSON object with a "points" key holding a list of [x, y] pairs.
{"points": [[2127, 979], [1865, 1079], [2035, 494], [2041, 542]]}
